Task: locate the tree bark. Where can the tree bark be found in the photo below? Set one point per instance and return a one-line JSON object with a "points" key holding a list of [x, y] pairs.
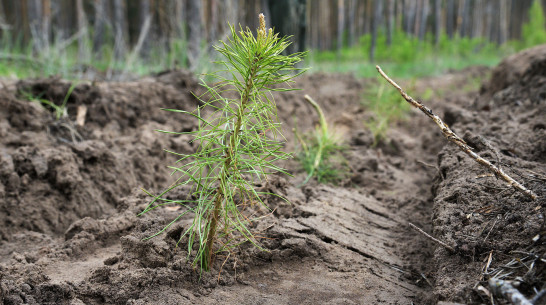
{"points": [[46, 24], [3, 21], [416, 25], [450, 18], [410, 12], [35, 23], [98, 34], [195, 33], [399, 15], [465, 18], [437, 21], [179, 20], [477, 22], [340, 23], [425, 9], [120, 43], [24, 21], [360, 20], [390, 20], [164, 24], [82, 30], [514, 29], [368, 17], [503, 21], [352, 10], [145, 15], [213, 36], [488, 20], [378, 7]]}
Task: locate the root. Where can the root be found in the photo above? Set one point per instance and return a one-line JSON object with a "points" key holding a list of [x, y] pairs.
{"points": [[454, 138]]}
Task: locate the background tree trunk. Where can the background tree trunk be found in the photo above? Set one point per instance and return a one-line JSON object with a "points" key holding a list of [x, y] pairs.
{"points": [[120, 30], [378, 8], [195, 32], [99, 27], [503, 27], [488, 19], [82, 30], [340, 23], [477, 23], [145, 19], [46, 24], [390, 20], [437, 21], [24, 21], [425, 10], [450, 18], [3, 21], [35, 23], [411, 14], [351, 21], [398, 14], [465, 18]]}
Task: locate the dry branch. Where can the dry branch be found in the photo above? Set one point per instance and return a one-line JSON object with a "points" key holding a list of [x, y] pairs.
{"points": [[451, 136], [505, 289], [439, 242]]}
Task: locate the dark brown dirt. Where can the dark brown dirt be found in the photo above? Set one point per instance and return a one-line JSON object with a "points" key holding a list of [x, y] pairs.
{"points": [[481, 215], [69, 195]]}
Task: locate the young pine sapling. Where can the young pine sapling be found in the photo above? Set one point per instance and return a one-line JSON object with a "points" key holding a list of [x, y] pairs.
{"points": [[238, 143]]}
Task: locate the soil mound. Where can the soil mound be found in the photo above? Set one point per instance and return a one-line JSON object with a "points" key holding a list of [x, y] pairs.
{"points": [[54, 172], [500, 232], [516, 69]]}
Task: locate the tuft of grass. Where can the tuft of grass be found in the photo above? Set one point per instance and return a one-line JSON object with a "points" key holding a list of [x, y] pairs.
{"points": [[238, 144], [386, 107], [321, 152], [60, 111]]}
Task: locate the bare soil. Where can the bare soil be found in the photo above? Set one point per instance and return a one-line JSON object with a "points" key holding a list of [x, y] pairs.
{"points": [[70, 195]]}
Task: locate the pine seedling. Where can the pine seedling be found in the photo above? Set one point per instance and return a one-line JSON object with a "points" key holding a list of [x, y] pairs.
{"points": [[238, 142]]}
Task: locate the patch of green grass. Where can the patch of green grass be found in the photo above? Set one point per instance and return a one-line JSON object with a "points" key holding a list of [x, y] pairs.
{"points": [[58, 110], [409, 57], [385, 106], [321, 152]]}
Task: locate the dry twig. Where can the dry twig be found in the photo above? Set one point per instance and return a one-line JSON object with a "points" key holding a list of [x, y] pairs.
{"points": [[439, 242], [505, 289], [451, 136]]}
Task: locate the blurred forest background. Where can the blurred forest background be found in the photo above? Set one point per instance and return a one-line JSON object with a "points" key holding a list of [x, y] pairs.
{"points": [[108, 38]]}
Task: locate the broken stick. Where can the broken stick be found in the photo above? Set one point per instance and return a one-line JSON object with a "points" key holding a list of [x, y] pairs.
{"points": [[451, 136], [439, 242], [505, 289]]}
